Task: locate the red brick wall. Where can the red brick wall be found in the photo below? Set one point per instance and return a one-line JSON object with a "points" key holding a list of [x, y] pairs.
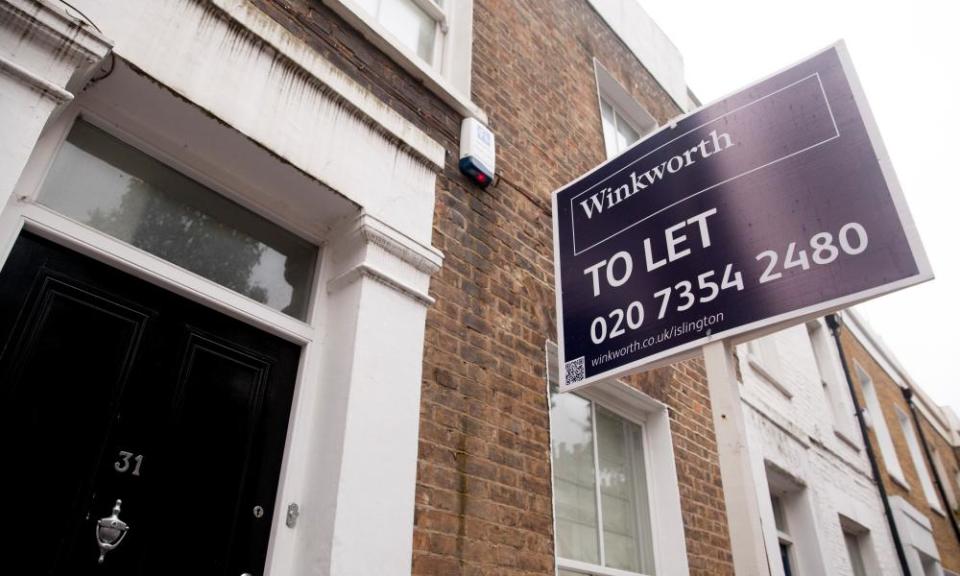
{"points": [[484, 482]]}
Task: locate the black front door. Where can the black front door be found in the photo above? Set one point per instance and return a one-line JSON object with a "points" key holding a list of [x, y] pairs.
{"points": [[112, 389]]}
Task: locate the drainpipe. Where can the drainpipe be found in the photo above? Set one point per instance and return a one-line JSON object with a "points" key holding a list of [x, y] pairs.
{"points": [[908, 396], [833, 321]]}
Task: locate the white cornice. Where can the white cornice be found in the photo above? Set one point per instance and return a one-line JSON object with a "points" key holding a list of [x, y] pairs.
{"points": [[59, 29], [368, 271], [47, 50], [367, 247], [426, 259]]}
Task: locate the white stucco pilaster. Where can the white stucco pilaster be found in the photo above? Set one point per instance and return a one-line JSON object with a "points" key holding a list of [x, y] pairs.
{"points": [[45, 54], [363, 483]]}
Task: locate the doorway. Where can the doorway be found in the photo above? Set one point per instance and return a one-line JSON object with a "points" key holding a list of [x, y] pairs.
{"points": [[119, 396]]}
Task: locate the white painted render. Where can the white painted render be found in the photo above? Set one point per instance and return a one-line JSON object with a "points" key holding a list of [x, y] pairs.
{"points": [[796, 448], [649, 44], [295, 104], [42, 52], [305, 147]]}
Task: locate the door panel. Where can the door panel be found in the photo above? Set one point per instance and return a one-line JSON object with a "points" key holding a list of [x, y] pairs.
{"points": [[113, 388], [219, 406], [58, 414]]}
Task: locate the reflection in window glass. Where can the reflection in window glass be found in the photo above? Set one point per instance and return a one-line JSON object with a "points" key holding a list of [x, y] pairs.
{"points": [[113, 187], [597, 455], [623, 493], [574, 478]]}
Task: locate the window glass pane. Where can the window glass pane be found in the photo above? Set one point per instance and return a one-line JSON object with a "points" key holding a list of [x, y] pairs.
{"points": [[853, 551], [779, 518], [930, 566], [618, 134], [626, 135], [412, 26], [108, 185], [574, 478], [785, 558], [609, 128], [623, 494]]}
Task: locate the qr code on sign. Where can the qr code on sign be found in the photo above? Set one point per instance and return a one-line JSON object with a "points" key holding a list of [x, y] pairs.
{"points": [[575, 370]]}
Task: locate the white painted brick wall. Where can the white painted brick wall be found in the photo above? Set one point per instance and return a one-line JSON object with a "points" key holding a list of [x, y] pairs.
{"points": [[791, 427]]}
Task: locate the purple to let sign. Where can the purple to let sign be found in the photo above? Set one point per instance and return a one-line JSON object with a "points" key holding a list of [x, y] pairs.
{"points": [[770, 206]]}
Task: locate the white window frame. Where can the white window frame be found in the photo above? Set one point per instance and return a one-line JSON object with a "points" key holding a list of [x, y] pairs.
{"points": [[764, 358], [663, 492], [919, 543], [875, 418], [800, 519], [449, 74], [854, 548], [618, 120], [931, 566], [864, 543], [835, 392], [611, 91], [784, 537], [941, 471], [213, 185], [919, 463], [48, 222], [439, 15]]}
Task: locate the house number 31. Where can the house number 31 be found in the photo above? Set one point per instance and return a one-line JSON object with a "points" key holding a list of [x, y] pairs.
{"points": [[122, 465]]}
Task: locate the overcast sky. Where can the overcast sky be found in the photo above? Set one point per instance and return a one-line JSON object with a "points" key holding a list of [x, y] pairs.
{"points": [[907, 55]]}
